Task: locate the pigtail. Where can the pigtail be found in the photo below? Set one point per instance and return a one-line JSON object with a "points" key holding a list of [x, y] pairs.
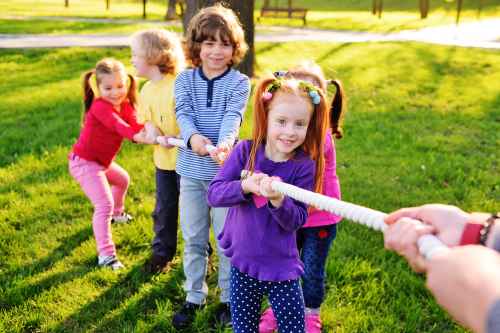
{"points": [[337, 109], [314, 143], [259, 121], [132, 91], [88, 92]]}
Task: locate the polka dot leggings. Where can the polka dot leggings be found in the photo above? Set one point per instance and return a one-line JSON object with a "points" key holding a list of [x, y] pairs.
{"points": [[246, 298]]}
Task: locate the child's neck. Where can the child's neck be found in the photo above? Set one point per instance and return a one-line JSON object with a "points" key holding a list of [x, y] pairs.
{"points": [[210, 74], [155, 75], [276, 156]]}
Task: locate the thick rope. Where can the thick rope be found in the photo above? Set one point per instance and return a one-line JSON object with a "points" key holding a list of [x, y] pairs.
{"points": [[428, 245]]}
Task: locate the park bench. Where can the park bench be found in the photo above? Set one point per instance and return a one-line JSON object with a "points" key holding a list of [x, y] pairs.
{"points": [[278, 11]]}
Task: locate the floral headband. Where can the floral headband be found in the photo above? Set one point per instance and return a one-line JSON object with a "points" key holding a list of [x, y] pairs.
{"points": [[311, 90]]}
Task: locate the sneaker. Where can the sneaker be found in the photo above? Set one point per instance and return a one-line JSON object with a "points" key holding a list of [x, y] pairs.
{"points": [[185, 316], [121, 218], [313, 323], [223, 315], [268, 323], [110, 261], [156, 264]]}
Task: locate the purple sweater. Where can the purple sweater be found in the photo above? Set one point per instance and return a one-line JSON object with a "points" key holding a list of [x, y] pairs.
{"points": [[261, 241]]}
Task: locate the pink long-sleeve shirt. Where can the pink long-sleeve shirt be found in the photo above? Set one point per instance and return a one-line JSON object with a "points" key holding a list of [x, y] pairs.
{"points": [[331, 188]]}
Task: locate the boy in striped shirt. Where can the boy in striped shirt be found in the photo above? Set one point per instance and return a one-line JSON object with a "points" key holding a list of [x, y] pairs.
{"points": [[210, 101]]}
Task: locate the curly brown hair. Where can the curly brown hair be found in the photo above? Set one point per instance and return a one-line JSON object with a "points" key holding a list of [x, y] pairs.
{"points": [[206, 25]]}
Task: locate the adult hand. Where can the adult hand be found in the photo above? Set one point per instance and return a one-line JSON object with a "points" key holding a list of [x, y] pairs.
{"points": [[198, 143], [402, 237], [448, 221], [464, 281]]}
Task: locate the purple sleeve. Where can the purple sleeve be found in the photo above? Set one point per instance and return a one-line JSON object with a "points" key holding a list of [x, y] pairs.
{"points": [[225, 189], [293, 214]]}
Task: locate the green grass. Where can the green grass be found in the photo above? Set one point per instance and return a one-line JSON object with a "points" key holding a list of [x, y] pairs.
{"points": [[342, 15], [422, 126], [37, 26]]}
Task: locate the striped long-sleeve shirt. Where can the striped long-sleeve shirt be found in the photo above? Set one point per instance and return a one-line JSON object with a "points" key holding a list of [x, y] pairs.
{"points": [[213, 108]]}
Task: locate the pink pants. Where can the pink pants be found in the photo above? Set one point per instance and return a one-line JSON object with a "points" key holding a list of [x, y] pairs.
{"points": [[106, 188]]}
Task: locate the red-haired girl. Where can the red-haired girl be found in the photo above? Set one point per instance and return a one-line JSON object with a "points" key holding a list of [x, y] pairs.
{"points": [[259, 236]]}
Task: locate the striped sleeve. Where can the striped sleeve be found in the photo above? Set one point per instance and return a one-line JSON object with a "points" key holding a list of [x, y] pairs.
{"points": [[234, 111], [183, 107]]}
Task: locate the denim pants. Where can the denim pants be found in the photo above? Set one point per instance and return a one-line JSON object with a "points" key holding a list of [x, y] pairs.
{"points": [[106, 188], [195, 218], [165, 214], [246, 298], [314, 244]]}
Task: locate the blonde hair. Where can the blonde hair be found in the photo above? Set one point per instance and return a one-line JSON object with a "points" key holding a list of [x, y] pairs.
{"points": [[160, 48], [209, 22], [106, 66]]}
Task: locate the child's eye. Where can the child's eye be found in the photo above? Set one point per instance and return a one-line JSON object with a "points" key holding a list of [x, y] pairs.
{"points": [[281, 121], [300, 124]]}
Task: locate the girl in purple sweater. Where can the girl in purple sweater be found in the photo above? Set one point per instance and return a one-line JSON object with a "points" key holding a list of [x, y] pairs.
{"points": [[259, 236], [315, 238]]}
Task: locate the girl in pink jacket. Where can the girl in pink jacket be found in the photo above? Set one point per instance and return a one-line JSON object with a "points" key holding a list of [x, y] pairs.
{"points": [[315, 238]]}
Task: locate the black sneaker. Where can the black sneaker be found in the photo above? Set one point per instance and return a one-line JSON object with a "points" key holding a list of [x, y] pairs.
{"points": [[185, 316], [223, 315], [156, 264]]}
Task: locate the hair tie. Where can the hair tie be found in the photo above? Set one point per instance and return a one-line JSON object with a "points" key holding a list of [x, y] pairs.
{"points": [[267, 96]]}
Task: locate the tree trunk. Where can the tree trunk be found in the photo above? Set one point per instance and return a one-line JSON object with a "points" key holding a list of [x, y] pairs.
{"points": [[377, 8], [424, 8], [192, 7], [144, 9], [459, 9], [244, 10], [171, 14], [66, 3]]}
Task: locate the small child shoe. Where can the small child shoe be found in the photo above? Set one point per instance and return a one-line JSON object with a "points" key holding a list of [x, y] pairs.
{"points": [[313, 323], [111, 262], [268, 323], [121, 218]]}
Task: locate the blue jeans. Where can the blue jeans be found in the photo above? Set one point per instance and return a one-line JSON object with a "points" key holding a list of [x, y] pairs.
{"points": [[165, 214], [314, 244], [195, 216], [246, 298]]}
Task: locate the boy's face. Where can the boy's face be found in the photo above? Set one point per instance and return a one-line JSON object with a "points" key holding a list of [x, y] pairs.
{"points": [[215, 55], [139, 62]]}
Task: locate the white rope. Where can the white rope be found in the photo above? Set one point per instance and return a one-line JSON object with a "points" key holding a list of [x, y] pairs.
{"points": [[179, 143], [428, 245]]}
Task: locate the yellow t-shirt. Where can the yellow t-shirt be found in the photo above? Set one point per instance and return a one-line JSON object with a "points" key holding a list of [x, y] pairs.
{"points": [[157, 105]]}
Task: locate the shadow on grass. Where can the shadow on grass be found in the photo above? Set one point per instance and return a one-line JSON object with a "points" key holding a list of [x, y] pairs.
{"points": [[97, 314], [17, 296]]}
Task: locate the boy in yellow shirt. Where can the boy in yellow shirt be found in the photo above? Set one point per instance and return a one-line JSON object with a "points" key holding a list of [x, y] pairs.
{"points": [[157, 56]]}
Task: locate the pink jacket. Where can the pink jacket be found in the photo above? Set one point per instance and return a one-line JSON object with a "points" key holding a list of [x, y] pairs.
{"points": [[331, 188]]}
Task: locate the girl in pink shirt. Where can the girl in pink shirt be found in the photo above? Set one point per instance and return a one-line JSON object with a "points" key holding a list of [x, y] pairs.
{"points": [[108, 119], [315, 238]]}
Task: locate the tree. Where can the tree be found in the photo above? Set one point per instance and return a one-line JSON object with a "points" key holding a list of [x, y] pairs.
{"points": [[377, 6], [244, 10], [171, 13], [66, 3], [424, 8]]}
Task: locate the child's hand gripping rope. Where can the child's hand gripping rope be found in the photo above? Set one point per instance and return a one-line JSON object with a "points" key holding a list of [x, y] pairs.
{"points": [[428, 245], [219, 154]]}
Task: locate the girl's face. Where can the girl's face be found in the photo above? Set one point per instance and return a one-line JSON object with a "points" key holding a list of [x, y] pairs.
{"points": [[287, 123], [215, 56], [113, 88], [140, 63]]}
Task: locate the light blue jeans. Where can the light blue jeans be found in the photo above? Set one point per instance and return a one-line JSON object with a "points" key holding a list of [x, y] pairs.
{"points": [[195, 218]]}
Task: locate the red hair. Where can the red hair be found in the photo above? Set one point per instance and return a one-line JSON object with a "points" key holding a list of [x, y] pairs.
{"points": [[313, 144]]}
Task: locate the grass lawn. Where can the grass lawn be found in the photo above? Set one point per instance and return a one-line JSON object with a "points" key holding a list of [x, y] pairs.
{"points": [[423, 125], [37, 26], [342, 15]]}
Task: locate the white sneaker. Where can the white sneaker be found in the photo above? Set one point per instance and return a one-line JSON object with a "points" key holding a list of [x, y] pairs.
{"points": [[110, 261], [121, 218]]}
